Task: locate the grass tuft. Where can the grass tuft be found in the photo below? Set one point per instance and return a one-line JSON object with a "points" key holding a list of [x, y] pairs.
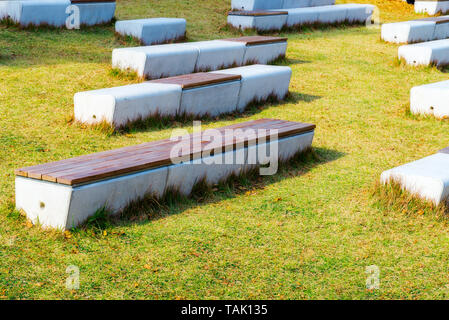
{"points": [[393, 197]]}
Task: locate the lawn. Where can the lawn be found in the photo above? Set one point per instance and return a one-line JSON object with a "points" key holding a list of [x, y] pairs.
{"points": [[307, 233]]}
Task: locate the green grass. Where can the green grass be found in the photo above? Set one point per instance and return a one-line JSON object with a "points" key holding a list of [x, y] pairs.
{"points": [[307, 233]]}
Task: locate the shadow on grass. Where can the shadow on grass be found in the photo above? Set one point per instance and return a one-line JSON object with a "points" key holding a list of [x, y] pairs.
{"points": [[150, 208]]}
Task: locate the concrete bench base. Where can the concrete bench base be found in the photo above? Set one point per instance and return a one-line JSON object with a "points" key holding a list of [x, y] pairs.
{"points": [[431, 99], [431, 7], [260, 82], [426, 53], [299, 17], [123, 105], [53, 12], [153, 31], [427, 178], [64, 207], [160, 61], [277, 4], [416, 31]]}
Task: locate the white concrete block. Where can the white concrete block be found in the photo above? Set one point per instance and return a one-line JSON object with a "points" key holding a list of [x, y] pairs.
{"points": [[217, 54], [153, 31], [260, 81], [427, 178], [4, 12], [359, 13], [256, 4], [264, 53], [291, 4], [332, 14], [261, 23], [39, 12], [54, 12], [211, 100], [441, 31], [431, 7], [431, 99], [121, 105], [277, 4], [64, 207], [426, 53], [96, 13], [156, 62], [302, 16], [315, 3], [408, 31]]}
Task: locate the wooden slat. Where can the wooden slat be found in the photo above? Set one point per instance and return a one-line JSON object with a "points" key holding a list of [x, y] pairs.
{"points": [[255, 40], [189, 81], [132, 159], [257, 13]]}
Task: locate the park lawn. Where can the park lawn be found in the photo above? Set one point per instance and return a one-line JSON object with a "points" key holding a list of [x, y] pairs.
{"points": [[307, 233]]}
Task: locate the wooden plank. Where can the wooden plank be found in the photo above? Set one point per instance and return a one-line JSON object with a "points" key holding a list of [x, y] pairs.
{"points": [[257, 13], [132, 159], [255, 40], [194, 80]]}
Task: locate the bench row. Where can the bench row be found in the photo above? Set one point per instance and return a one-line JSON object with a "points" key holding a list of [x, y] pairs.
{"points": [[277, 4], [289, 18], [196, 95], [56, 12], [64, 194], [414, 31], [154, 62]]}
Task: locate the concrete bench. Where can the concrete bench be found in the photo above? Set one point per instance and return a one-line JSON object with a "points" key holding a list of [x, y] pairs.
{"points": [[431, 7], [426, 53], [431, 99], [427, 178], [64, 194], [153, 31], [54, 12], [277, 4], [154, 62], [195, 95], [271, 20], [415, 31]]}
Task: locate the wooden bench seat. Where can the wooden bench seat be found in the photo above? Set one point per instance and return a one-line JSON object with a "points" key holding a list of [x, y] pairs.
{"points": [[63, 194], [187, 95], [161, 61]]}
